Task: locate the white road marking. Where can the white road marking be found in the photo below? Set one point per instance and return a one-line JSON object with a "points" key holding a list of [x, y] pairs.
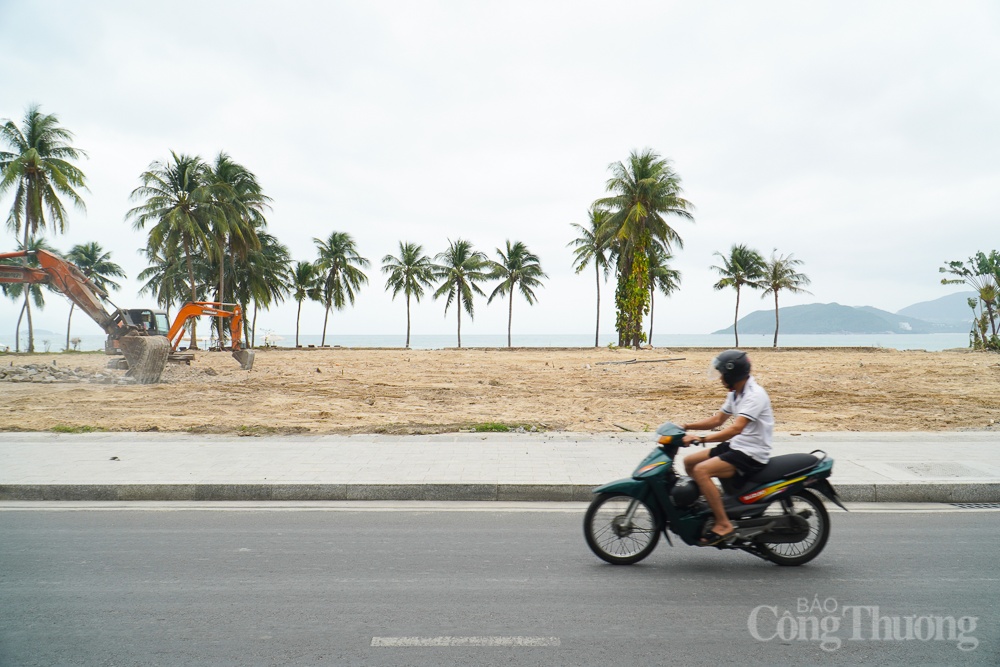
{"points": [[408, 642]]}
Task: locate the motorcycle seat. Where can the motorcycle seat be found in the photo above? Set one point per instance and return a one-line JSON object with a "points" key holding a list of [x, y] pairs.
{"points": [[779, 467]]}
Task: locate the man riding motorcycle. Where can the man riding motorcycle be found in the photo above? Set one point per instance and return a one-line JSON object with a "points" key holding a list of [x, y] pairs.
{"points": [[745, 445]]}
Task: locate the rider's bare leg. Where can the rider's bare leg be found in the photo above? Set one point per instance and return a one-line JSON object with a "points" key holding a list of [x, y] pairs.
{"points": [[693, 459], [702, 474]]}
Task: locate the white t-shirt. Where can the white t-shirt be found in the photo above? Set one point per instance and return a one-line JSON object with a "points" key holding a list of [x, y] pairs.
{"points": [[754, 404]]}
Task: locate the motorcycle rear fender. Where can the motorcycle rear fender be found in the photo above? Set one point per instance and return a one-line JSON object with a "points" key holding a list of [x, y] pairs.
{"points": [[824, 487]]}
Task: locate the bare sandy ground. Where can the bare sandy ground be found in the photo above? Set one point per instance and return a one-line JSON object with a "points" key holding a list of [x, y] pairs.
{"points": [[587, 390]]}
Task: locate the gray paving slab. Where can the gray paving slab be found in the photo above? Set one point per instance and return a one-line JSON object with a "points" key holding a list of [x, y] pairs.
{"points": [[870, 467]]}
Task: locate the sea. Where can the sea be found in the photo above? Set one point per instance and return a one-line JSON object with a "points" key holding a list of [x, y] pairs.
{"points": [[48, 342]]}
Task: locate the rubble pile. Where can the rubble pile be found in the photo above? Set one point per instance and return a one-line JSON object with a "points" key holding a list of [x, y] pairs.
{"points": [[51, 373]]}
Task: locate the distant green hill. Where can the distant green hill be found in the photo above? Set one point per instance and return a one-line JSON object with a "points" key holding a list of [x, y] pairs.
{"points": [[833, 318]]}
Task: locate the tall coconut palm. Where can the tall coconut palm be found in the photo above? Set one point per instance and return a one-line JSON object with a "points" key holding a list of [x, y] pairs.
{"points": [[459, 270], [661, 277], [780, 274], [263, 277], [518, 270], [645, 191], [181, 206], [166, 278], [409, 273], [743, 266], [589, 247], [96, 264], [243, 203], [31, 293], [340, 266], [305, 285], [39, 169]]}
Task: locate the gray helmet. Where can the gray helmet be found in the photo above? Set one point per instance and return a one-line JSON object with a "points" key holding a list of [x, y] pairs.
{"points": [[732, 366]]}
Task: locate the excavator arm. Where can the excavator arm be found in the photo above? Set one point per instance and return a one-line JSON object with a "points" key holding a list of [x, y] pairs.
{"points": [[213, 309], [146, 355]]}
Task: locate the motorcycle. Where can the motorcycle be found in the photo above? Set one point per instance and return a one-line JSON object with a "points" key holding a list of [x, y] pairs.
{"points": [[776, 514]]}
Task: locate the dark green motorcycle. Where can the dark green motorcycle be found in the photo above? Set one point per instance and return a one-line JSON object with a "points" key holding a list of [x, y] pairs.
{"points": [[776, 514]]}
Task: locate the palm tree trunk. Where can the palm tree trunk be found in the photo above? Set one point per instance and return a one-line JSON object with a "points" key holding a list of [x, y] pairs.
{"points": [[510, 314], [298, 316], [194, 294], [69, 322], [775, 318], [17, 331], [407, 321], [325, 318], [597, 331], [27, 309], [251, 334], [27, 288], [650, 316], [222, 298], [736, 318], [459, 309]]}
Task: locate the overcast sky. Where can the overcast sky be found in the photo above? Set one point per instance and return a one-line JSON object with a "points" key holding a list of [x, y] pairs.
{"points": [[862, 137]]}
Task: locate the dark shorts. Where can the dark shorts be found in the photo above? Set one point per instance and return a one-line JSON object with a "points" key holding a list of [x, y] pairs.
{"points": [[744, 464]]}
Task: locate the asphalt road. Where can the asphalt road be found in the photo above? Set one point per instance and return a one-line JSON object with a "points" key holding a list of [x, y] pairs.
{"points": [[474, 586]]}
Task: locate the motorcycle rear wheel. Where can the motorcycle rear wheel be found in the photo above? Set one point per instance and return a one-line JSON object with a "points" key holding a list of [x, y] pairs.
{"points": [[798, 553], [614, 539]]}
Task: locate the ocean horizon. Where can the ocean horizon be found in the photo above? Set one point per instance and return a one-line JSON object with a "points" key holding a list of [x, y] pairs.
{"points": [[51, 342]]}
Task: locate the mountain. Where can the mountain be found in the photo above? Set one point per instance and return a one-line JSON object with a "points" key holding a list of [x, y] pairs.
{"points": [[834, 318], [951, 309]]}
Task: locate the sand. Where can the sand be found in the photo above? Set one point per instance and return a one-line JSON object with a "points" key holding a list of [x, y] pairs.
{"points": [[325, 391]]}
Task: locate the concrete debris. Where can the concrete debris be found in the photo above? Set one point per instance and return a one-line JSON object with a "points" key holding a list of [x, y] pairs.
{"points": [[50, 373]]}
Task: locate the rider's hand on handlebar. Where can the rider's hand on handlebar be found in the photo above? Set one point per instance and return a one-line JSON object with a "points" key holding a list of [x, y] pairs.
{"points": [[693, 440]]}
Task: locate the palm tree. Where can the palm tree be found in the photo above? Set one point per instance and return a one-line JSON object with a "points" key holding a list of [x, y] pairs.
{"points": [[31, 292], [166, 277], [263, 277], [780, 274], [243, 202], [519, 270], [644, 191], [96, 264], [179, 201], [39, 170], [340, 266], [661, 277], [591, 246], [460, 269], [409, 273], [742, 267], [305, 285]]}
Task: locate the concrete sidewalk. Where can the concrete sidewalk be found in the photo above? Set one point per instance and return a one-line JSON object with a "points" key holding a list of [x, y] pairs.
{"points": [[960, 467]]}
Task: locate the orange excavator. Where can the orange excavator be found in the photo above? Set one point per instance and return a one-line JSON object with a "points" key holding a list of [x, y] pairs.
{"points": [[145, 352], [212, 309]]}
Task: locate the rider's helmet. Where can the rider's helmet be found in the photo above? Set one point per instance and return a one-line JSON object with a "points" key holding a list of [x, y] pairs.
{"points": [[732, 366]]}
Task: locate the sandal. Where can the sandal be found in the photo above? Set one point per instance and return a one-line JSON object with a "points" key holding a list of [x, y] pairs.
{"points": [[712, 538]]}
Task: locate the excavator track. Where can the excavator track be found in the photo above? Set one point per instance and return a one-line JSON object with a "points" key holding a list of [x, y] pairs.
{"points": [[146, 356]]}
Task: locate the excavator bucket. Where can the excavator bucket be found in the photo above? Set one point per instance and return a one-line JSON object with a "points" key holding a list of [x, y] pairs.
{"points": [[245, 357], [146, 356]]}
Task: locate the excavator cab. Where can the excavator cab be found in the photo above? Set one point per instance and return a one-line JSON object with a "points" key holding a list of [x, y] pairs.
{"points": [[153, 322]]}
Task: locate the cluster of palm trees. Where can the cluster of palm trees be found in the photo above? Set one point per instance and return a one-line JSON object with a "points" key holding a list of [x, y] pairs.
{"points": [[981, 272], [455, 274], [746, 267]]}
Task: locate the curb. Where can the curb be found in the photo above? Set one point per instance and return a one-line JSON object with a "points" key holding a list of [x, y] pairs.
{"points": [[925, 492]]}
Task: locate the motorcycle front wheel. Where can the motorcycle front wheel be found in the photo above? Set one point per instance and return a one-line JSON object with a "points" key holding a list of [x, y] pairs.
{"points": [[620, 529], [806, 505]]}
